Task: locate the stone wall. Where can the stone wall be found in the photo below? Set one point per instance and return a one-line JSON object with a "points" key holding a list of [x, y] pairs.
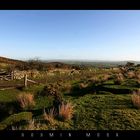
{"points": [[20, 74]]}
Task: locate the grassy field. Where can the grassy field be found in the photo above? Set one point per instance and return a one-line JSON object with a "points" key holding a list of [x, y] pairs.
{"points": [[90, 100]]}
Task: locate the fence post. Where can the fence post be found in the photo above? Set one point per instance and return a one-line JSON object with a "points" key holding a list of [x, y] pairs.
{"points": [[12, 75], [25, 80]]}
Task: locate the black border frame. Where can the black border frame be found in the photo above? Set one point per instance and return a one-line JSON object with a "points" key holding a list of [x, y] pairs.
{"points": [[69, 134], [70, 5]]}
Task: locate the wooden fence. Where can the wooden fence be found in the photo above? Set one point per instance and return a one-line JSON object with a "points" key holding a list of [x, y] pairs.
{"points": [[10, 76], [26, 80], [6, 76]]}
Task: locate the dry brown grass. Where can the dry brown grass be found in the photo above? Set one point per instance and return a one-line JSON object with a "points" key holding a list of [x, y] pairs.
{"points": [[66, 87], [16, 128], [136, 98], [66, 111], [26, 100], [83, 85], [137, 74], [119, 78], [94, 79], [50, 116], [105, 77], [131, 74], [31, 125]]}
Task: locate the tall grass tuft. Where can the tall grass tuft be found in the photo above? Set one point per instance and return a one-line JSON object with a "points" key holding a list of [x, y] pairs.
{"points": [[119, 78], [136, 99], [137, 74], [26, 100], [131, 74], [50, 116], [66, 111]]}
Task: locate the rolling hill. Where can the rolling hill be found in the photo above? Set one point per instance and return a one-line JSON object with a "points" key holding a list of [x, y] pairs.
{"points": [[9, 61]]}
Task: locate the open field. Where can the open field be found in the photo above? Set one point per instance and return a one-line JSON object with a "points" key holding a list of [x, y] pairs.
{"points": [[84, 99]]}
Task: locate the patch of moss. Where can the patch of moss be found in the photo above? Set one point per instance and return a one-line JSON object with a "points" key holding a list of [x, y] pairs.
{"points": [[23, 116]]}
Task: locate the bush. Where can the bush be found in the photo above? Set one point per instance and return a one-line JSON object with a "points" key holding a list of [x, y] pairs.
{"points": [[118, 79], [49, 90], [66, 111], [136, 99], [26, 100], [24, 116]]}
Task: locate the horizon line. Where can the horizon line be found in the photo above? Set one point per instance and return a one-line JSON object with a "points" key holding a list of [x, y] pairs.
{"points": [[62, 59]]}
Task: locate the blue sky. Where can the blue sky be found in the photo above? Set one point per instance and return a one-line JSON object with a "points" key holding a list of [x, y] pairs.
{"points": [[70, 34]]}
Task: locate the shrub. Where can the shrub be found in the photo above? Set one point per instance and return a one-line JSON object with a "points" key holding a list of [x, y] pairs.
{"points": [[26, 100], [49, 90], [66, 111], [136, 99]]}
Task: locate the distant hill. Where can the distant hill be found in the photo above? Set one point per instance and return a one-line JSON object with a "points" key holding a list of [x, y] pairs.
{"points": [[33, 64], [97, 63], [10, 61], [65, 64]]}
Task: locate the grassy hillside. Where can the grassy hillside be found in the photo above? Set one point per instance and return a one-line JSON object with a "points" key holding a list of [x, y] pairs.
{"points": [[100, 99], [9, 61], [32, 64], [103, 111], [89, 99]]}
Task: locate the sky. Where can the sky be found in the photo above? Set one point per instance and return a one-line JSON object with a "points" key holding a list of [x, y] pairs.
{"points": [[70, 34]]}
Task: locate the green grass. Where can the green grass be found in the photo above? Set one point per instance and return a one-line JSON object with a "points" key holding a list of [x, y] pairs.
{"points": [[96, 112], [106, 112], [109, 82], [120, 87], [131, 83], [100, 106], [42, 102], [16, 118], [8, 95]]}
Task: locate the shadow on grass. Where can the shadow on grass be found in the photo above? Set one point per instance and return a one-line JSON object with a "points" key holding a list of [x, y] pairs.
{"points": [[7, 108], [76, 91], [37, 112]]}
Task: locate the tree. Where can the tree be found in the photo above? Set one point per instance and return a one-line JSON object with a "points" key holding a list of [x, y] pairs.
{"points": [[130, 64]]}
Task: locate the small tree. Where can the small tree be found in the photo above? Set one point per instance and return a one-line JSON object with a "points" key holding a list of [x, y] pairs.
{"points": [[130, 64]]}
